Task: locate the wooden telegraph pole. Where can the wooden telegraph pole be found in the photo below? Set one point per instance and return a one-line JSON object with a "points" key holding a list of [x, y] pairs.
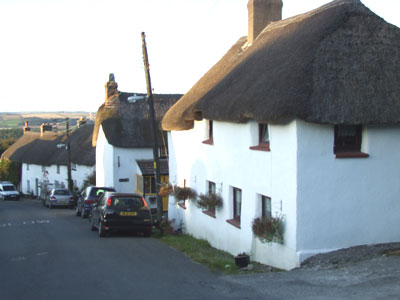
{"points": [[70, 183], [153, 126]]}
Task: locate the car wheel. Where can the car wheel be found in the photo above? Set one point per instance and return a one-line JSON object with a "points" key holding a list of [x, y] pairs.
{"points": [[92, 227], [101, 230], [77, 212]]}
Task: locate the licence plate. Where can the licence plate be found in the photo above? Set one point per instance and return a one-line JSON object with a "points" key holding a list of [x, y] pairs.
{"points": [[128, 213]]}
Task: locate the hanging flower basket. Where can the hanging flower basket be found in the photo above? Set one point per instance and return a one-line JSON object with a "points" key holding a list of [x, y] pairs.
{"points": [[209, 201], [183, 193], [269, 230]]}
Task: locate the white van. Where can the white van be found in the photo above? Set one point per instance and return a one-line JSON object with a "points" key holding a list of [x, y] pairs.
{"points": [[8, 191]]}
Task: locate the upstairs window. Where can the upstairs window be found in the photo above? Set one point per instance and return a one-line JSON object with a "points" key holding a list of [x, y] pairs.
{"points": [[263, 138], [347, 143], [210, 133]]}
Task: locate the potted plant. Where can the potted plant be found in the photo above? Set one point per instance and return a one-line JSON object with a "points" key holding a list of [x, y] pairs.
{"points": [[183, 193], [209, 201], [269, 230], [242, 260], [165, 189]]}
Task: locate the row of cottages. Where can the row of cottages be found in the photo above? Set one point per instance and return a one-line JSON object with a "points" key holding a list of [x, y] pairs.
{"points": [[124, 144], [44, 157], [299, 119]]}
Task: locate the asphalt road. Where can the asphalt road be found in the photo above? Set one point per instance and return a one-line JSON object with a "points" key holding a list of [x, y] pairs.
{"points": [[51, 254]]}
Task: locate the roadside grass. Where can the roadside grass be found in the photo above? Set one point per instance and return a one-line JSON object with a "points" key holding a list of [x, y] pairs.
{"points": [[202, 252]]}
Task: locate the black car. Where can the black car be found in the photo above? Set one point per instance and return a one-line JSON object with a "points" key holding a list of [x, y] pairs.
{"points": [[121, 212], [86, 201]]}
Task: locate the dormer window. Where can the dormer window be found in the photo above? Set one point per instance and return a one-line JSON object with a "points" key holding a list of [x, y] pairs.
{"points": [[263, 138], [348, 139], [210, 133]]}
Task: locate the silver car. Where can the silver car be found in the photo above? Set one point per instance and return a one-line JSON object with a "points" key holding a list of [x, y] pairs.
{"points": [[60, 197]]}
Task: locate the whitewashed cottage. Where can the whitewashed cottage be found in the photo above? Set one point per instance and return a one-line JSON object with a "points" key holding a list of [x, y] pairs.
{"points": [[123, 140], [44, 159], [299, 119]]}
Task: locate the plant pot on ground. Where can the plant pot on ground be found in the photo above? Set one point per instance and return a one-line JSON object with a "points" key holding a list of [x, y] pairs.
{"points": [[242, 260]]}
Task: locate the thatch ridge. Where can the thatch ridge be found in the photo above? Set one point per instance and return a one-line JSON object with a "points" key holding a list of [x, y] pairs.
{"points": [[337, 64]]}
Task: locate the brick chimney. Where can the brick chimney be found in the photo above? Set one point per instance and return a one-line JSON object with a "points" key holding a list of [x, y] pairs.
{"points": [[26, 127], [261, 13], [111, 89], [45, 127]]}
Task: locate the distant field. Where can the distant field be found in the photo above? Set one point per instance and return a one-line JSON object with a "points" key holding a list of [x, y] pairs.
{"points": [[15, 120]]}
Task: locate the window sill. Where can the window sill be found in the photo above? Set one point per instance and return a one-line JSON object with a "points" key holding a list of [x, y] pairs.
{"points": [[209, 142], [182, 205], [261, 147], [210, 213], [351, 155], [234, 222]]}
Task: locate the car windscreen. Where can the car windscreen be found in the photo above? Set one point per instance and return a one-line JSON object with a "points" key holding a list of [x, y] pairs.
{"points": [[122, 203], [95, 192], [62, 192], [8, 188]]}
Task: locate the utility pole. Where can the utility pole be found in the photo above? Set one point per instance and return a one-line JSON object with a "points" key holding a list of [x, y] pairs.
{"points": [[153, 125], [70, 183]]}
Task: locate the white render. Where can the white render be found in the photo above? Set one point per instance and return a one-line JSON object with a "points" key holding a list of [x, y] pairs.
{"points": [[327, 203], [115, 164], [35, 174]]}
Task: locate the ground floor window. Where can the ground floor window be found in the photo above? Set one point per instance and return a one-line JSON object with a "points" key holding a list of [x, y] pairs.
{"points": [[266, 207], [237, 206]]}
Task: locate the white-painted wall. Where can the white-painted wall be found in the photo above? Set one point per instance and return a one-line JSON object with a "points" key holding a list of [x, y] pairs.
{"points": [[347, 202], [230, 163], [35, 174], [327, 203], [116, 166]]}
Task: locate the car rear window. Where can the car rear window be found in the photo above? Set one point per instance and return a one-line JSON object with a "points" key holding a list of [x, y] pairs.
{"points": [[122, 203], [96, 191], [8, 188], [62, 192]]}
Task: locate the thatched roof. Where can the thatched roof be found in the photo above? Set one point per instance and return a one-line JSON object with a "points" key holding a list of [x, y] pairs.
{"points": [[338, 64], [32, 148], [127, 124]]}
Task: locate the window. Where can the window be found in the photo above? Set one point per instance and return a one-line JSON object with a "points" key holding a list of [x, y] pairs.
{"points": [[237, 207], [73, 166], [119, 162], [210, 133], [211, 189], [43, 168], [266, 207], [58, 169], [263, 138], [27, 167], [347, 141], [28, 186], [149, 183], [163, 152]]}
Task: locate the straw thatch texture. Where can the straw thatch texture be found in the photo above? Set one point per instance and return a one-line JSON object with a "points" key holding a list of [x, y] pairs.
{"points": [[32, 148], [339, 64], [128, 124]]}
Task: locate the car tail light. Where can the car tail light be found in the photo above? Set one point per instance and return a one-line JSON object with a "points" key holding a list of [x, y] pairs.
{"points": [[144, 202], [53, 198], [109, 201]]}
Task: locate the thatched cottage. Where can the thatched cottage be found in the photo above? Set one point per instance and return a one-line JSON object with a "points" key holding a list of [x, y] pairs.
{"points": [[300, 119], [123, 140], [43, 157]]}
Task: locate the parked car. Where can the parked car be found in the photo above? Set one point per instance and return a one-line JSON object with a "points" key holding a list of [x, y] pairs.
{"points": [[121, 212], [60, 197], [88, 198], [8, 191]]}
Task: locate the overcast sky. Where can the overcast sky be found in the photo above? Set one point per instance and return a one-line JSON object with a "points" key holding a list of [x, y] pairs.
{"points": [[56, 55]]}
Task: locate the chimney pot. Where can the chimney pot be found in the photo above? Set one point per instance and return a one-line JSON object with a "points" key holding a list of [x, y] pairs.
{"points": [[26, 127], [260, 14]]}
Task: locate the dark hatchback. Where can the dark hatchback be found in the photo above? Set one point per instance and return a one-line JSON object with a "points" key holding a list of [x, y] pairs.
{"points": [[88, 199], [121, 212]]}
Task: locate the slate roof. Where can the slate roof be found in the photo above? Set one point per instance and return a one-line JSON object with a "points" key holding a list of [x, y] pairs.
{"points": [[127, 124], [338, 64], [31, 148], [147, 166]]}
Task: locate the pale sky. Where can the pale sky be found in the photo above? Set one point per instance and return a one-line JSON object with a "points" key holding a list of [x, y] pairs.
{"points": [[55, 55]]}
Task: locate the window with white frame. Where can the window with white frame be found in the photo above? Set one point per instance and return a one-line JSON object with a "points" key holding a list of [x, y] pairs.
{"points": [[236, 205], [266, 211]]}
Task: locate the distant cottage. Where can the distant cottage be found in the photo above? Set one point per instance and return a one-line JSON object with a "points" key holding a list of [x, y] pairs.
{"points": [[123, 140], [43, 157], [301, 120]]}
